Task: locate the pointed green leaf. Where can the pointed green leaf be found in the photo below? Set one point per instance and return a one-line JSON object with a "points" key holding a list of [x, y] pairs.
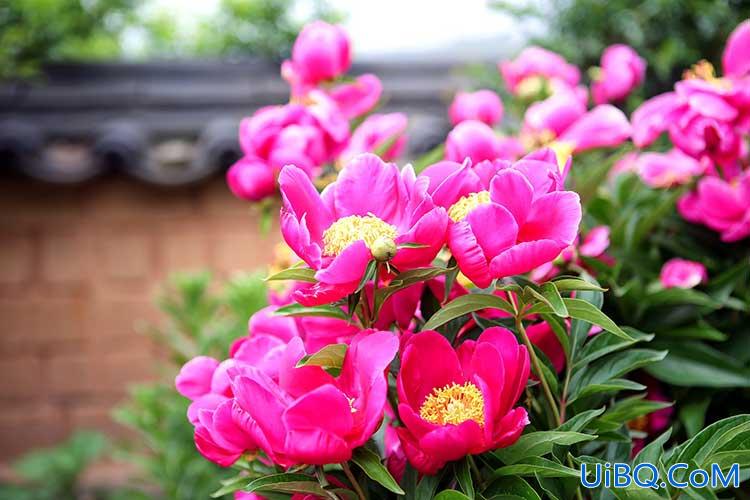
{"points": [[369, 462], [467, 304], [295, 274]]}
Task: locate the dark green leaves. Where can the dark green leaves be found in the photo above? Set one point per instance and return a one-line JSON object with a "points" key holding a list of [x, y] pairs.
{"points": [[330, 358], [369, 462], [300, 310], [691, 363], [294, 274], [467, 304], [536, 444]]}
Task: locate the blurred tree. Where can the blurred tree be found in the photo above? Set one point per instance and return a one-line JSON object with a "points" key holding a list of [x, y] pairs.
{"points": [[37, 31], [671, 34], [33, 32]]}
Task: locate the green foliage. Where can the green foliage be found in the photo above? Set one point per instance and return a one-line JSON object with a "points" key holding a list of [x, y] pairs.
{"points": [[54, 473], [671, 34], [199, 321], [36, 31]]}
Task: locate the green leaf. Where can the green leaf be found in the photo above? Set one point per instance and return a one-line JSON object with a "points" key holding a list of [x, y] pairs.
{"points": [[673, 296], [536, 444], [412, 245], [607, 370], [295, 274], [579, 329], [330, 357], [451, 495], [695, 364], [549, 295], [560, 331], [652, 452], [569, 284], [536, 465], [434, 155], [606, 343], [327, 311], [427, 486], [580, 421], [580, 309], [369, 462], [614, 385], [467, 304], [693, 414], [711, 439], [463, 474], [698, 331], [630, 408], [369, 274], [406, 279], [287, 483], [510, 488]]}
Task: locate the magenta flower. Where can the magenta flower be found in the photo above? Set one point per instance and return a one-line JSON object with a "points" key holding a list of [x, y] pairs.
{"points": [[663, 170], [356, 98], [474, 140], [377, 131], [506, 218], [621, 71], [457, 403], [483, 105], [564, 124], [722, 206], [736, 57], [251, 179], [321, 52], [308, 416], [527, 74], [681, 273], [594, 244], [366, 213], [194, 379]]}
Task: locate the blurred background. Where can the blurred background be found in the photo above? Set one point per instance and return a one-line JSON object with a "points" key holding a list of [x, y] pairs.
{"points": [[122, 252]]}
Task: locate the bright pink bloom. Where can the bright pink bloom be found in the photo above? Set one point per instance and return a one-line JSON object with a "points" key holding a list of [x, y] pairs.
{"points": [[736, 57], [251, 179], [552, 116], [194, 379], [536, 62], [506, 218], [358, 97], [487, 376], [594, 244], [308, 416], [372, 205], [472, 139], [622, 70], [663, 170], [653, 117], [376, 132], [681, 273], [605, 126], [321, 52], [722, 206], [482, 105]]}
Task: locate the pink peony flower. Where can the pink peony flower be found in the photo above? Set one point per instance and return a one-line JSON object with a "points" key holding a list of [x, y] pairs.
{"points": [[456, 403], [472, 139], [483, 105], [194, 379], [366, 213], [552, 116], [356, 98], [622, 70], [736, 57], [376, 132], [527, 74], [506, 218], [542, 336], [251, 179], [308, 416], [663, 170], [320, 52], [681, 273], [722, 206]]}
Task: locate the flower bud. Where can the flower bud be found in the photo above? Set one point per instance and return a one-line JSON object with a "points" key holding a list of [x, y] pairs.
{"points": [[384, 249]]}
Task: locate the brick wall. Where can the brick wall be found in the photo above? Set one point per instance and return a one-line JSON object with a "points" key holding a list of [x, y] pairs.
{"points": [[79, 268]]}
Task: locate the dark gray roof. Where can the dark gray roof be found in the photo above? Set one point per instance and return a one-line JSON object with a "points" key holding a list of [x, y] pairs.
{"points": [[175, 123]]}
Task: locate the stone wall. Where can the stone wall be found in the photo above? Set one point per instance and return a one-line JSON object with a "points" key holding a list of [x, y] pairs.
{"points": [[79, 268]]}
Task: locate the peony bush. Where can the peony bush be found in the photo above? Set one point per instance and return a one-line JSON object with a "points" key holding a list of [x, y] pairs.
{"points": [[548, 295]]}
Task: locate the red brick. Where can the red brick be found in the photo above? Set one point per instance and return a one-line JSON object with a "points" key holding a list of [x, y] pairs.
{"points": [[63, 258], [122, 198], [30, 324], [24, 427], [69, 375], [24, 200], [214, 198], [184, 252], [125, 256], [20, 377], [16, 259]]}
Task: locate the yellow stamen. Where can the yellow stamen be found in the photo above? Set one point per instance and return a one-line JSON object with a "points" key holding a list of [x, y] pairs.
{"points": [[704, 70], [351, 405], [532, 86], [459, 210], [563, 150], [347, 230], [454, 404]]}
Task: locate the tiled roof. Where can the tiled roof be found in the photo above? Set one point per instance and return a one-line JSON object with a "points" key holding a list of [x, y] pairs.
{"points": [[175, 123]]}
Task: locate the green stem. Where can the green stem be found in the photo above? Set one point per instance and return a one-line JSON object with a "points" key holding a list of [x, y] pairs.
{"points": [[538, 370], [355, 484]]}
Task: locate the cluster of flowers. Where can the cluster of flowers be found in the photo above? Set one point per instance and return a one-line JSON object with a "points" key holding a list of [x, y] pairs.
{"points": [[706, 118], [310, 390]]}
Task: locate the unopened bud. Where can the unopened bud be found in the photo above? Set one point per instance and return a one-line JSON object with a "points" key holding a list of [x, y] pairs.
{"points": [[383, 249]]}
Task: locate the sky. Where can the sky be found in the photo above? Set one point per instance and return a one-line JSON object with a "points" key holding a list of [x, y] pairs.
{"points": [[402, 28]]}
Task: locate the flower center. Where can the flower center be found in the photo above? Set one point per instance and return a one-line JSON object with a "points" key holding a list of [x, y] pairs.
{"points": [[459, 210], [704, 70], [347, 230], [454, 404]]}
